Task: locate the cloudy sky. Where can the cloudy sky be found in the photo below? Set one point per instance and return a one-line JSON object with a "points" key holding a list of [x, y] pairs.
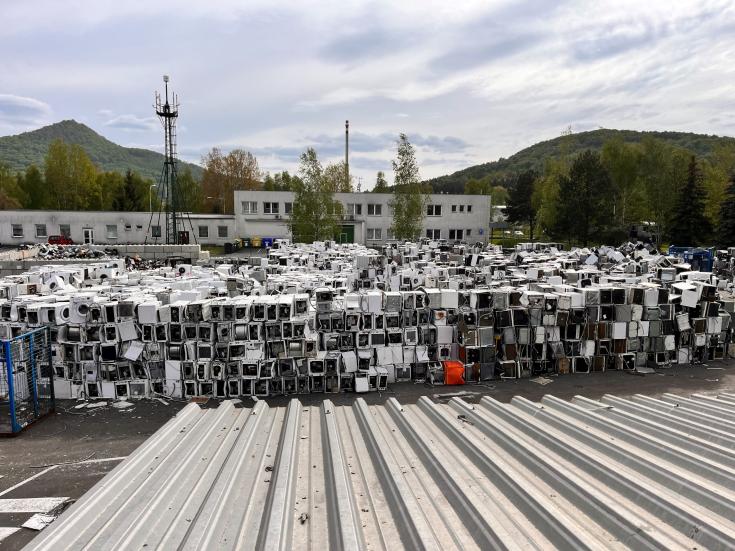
{"points": [[468, 81]]}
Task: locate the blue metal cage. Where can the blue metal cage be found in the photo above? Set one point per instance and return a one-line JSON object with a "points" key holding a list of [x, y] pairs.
{"points": [[26, 380], [700, 259]]}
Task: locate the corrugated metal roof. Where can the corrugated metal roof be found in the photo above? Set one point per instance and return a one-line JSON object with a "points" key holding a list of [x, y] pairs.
{"points": [[634, 472]]}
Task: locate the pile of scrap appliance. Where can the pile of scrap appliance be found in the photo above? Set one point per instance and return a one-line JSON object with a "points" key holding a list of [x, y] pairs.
{"points": [[335, 318]]}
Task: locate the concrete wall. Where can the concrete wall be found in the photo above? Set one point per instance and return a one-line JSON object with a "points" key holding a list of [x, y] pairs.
{"points": [[124, 227], [15, 254], [471, 212], [25, 260]]}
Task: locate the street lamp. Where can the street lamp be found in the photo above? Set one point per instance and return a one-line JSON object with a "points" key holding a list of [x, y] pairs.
{"points": [[150, 197]]}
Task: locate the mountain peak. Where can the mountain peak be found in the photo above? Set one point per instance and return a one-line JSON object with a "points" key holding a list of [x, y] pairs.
{"points": [[21, 150]]}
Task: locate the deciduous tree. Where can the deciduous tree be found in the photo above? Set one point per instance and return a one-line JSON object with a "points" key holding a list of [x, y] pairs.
{"points": [[107, 187], [621, 160], [225, 174], [280, 181], [71, 177], [726, 225], [316, 215], [11, 195], [191, 197], [716, 173], [409, 195], [336, 179]]}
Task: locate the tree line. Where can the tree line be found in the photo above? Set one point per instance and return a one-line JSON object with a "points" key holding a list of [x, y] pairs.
{"points": [[69, 180], [598, 197]]}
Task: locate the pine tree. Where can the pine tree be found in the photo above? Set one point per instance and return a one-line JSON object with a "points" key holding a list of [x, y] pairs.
{"points": [[582, 200], [35, 188], [689, 225], [381, 184], [726, 226], [521, 208]]}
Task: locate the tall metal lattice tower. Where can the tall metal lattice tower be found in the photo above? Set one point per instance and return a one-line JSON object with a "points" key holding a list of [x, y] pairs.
{"points": [[168, 189]]}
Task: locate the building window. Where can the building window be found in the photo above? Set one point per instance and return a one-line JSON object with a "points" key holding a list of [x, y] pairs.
{"points": [[41, 230], [249, 207], [155, 231], [138, 227], [128, 227], [354, 209], [433, 210], [111, 231], [288, 208], [222, 231], [434, 234], [461, 208], [469, 208], [65, 230], [454, 208], [467, 233], [270, 208], [374, 234], [456, 235], [203, 231], [17, 230], [375, 209]]}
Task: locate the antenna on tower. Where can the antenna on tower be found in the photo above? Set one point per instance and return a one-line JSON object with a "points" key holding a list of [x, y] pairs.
{"points": [[168, 185]]}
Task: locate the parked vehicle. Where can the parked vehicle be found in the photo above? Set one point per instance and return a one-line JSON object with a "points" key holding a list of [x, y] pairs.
{"points": [[60, 240]]}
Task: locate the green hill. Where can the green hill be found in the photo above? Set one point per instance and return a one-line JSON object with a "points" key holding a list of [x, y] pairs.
{"points": [[533, 157], [22, 150]]}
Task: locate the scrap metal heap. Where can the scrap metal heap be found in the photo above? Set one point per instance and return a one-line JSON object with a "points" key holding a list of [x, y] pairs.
{"points": [[333, 318]]}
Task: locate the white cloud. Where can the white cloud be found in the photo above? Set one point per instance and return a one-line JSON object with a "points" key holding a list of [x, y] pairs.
{"points": [[23, 109], [497, 76], [20, 113], [133, 123]]}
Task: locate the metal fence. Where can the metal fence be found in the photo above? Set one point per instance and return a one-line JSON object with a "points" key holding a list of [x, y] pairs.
{"points": [[26, 380]]}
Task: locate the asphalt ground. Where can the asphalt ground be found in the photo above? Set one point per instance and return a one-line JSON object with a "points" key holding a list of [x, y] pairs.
{"points": [[66, 453]]}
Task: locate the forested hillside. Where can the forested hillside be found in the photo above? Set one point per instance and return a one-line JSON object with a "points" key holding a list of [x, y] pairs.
{"points": [[29, 148], [534, 157]]}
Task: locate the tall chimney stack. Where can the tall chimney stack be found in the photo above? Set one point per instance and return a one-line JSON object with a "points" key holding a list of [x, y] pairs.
{"points": [[347, 152]]}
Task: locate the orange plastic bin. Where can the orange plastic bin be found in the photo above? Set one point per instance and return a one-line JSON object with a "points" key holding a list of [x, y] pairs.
{"points": [[453, 372]]}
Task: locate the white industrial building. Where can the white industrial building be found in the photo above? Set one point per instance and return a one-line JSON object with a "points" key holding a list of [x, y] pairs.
{"points": [[109, 227], [263, 214], [368, 216]]}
